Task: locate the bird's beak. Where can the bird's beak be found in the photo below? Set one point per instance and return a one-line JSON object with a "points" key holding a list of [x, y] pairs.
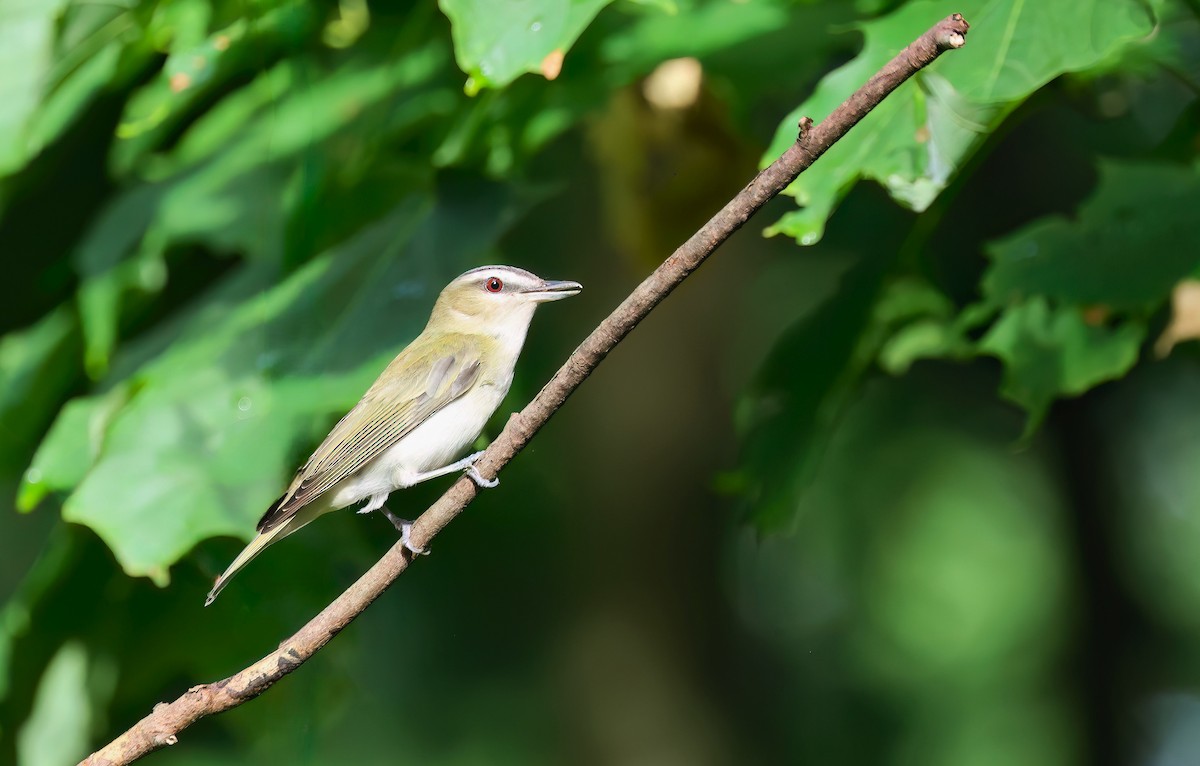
{"points": [[553, 290]]}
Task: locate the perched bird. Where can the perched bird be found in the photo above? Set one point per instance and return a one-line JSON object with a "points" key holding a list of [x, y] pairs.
{"points": [[428, 406]]}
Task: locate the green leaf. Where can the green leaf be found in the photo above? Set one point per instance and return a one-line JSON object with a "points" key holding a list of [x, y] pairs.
{"points": [[200, 64], [58, 728], [71, 447], [799, 393], [237, 180], [218, 407], [919, 322], [495, 43], [1053, 352], [1129, 244], [922, 134], [37, 367], [26, 59]]}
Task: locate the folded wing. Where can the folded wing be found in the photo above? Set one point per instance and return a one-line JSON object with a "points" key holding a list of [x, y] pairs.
{"points": [[418, 383]]}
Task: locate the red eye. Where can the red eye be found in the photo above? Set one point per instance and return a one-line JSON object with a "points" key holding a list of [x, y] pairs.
{"points": [[494, 285]]}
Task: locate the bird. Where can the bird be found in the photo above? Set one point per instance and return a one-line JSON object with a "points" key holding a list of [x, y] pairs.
{"points": [[425, 409]]}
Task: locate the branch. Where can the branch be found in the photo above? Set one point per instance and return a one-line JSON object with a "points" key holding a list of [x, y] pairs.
{"points": [[163, 725]]}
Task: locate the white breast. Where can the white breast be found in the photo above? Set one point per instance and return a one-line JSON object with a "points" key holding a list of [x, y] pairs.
{"points": [[435, 443]]}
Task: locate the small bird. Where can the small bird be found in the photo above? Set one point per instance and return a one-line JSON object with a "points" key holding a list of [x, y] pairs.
{"points": [[428, 406]]}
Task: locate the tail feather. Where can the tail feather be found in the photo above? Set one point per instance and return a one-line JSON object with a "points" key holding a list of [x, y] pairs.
{"points": [[260, 542]]}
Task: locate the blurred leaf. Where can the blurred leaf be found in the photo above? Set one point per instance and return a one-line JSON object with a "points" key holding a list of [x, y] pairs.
{"points": [[496, 43], [71, 447], [800, 391], [700, 30], [1100, 255], [212, 422], [1053, 352], [97, 44], [236, 181], [1149, 438], [883, 603], [26, 59], [920, 322], [37, 369], [58, 729], [199, 65], [915, 141]]}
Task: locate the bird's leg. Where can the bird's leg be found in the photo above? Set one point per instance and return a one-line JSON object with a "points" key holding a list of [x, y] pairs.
{"points": [[404, 527], [466, 464]]}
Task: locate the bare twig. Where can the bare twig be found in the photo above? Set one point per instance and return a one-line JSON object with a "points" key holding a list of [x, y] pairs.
{"points": [[163, 725]]}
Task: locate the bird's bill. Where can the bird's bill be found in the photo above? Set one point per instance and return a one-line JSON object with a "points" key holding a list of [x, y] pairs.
{"points": [[553, 290]]}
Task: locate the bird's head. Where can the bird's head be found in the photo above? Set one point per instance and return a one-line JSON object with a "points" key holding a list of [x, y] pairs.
{"points": [[496, 300]]}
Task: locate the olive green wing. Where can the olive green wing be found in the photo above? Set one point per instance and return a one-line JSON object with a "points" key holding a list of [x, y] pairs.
{"points": [[423, 379]]}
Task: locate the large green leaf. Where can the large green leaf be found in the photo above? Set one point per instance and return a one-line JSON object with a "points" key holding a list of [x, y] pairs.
{"points": [[497, 42], [916, 141], [241, 175], [1053, 352], [218, 406], [1127, 246]]}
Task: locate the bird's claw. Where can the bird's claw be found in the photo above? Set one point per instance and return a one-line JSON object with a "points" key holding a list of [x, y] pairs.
{"points": [[476, 477], [404, 527]]}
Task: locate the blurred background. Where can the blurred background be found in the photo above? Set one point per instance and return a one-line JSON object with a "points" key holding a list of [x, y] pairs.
{"points": [[914, 479]]}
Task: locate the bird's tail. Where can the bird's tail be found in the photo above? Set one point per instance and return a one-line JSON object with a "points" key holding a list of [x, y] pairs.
{"points": [[261, 541]]}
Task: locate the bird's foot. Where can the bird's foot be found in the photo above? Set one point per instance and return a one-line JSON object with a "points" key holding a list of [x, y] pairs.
{"points": [[404, 527], [475, 476]]}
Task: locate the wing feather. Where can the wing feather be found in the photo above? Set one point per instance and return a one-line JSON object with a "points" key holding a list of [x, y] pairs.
{"points": [[389, 410]]}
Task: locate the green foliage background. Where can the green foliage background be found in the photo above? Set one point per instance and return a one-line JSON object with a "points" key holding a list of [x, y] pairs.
{"points": [[922, 491]]}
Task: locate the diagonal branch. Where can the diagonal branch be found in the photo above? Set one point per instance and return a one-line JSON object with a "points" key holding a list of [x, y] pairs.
{"points": [[163, 725]]}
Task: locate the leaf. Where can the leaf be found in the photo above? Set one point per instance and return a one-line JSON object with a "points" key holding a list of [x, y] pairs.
{"points": [[1130, 242], [37, 367], [200, 64], [495, 43], [217, 408], [231, 185], [919, 322], [58, 728], [917, 139], [1053, 352], [800, 391], [26, 59], [70, 448]]}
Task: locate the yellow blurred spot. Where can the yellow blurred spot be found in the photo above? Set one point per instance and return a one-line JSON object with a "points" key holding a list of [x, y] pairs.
{"points": [[180, 81], [552, 64], [674, 84], [1185, 317], [354, 17], [221, 42]]}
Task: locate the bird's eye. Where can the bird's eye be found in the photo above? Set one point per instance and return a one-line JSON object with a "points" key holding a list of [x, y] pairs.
{"points": [[494, 285]]}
